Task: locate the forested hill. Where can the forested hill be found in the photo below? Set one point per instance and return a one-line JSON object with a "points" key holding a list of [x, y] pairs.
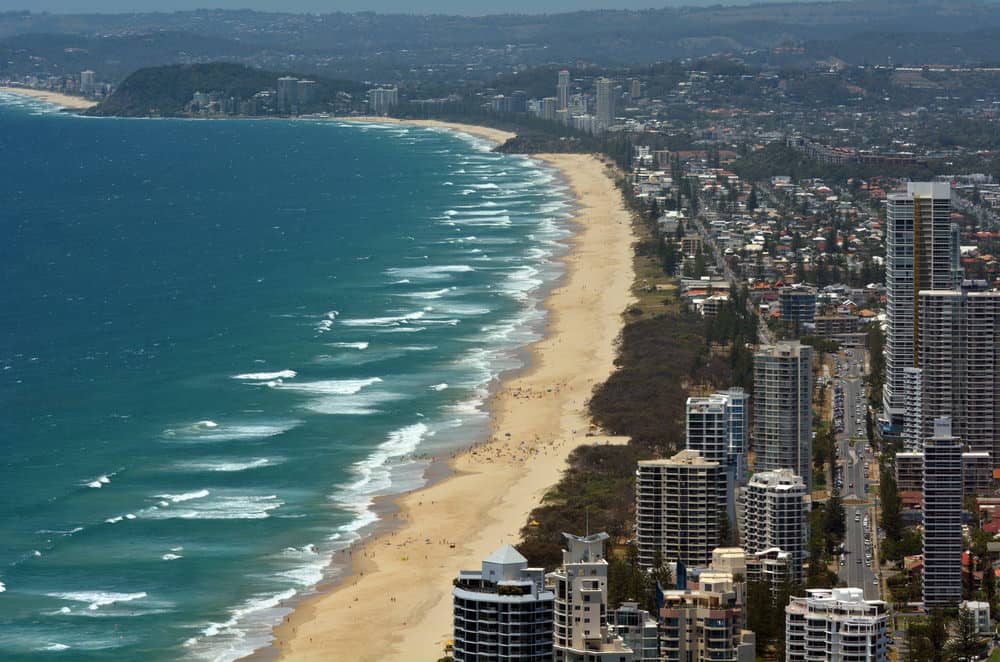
{"points": [[166, 90]]}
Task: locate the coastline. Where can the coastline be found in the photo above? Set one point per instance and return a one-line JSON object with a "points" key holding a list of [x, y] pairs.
{"points": [[55, 98], [496, 136], [538, 417]]}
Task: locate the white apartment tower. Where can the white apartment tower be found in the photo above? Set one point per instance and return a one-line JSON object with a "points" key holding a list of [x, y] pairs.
{"points": [[716, 428], [605, 103], [776, 516], [783, 408], [88, 82], [581, 601], [921, 254], [836, 625], [503, 612], [678, 509], [562, 91], [942, 517]]}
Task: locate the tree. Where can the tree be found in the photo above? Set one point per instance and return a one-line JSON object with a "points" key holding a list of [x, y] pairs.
{"points": [[752, 199], [967, 642]]}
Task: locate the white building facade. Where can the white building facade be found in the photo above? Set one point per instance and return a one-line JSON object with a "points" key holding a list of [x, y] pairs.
{"points": [[503, 611], [776, 516], [836, 625]]}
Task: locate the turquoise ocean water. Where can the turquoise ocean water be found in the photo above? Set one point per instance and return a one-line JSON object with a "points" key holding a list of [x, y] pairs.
{"points": [[219, 341]]}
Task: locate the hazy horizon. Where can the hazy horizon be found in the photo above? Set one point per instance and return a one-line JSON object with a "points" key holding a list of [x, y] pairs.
{"points": [[453, 7]]}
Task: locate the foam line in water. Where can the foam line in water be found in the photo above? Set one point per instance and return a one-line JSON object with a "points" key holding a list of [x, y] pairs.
{"points": [[393, 320], [350, 345], [438, 272], [97, 599], [210, 431], [266, 376], [330, 386]]}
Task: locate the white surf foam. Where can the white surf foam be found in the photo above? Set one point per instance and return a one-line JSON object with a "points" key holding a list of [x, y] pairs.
{"points": [[181, 498], [54, 647], [97, 599], [220, 508], [329, 386], [393, 320], [433, 294], [210, 431], [227, 465], [350, 345], [247, 628], [360, 404], [171, 557], [266, 376], [439, 387], [439, 272]]}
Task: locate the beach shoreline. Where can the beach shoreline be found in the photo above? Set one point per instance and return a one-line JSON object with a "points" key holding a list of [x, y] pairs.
{"points": [[67, 101], [395, 602]]}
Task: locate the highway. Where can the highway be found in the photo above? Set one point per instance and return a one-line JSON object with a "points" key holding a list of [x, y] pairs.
{"points": [[857, 570]]}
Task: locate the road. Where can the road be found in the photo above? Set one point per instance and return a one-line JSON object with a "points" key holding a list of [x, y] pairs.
{"points": [[857, 571]]}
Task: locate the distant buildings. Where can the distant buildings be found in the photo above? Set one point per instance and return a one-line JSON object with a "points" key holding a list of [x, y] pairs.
{"points": [[503, 611], [88, 83], [605, 103], [783, 409], [562, 91], [288, 95], [942, 517], [382, 99], [677, 509], [836, 625], [581, 599], [776, 517]]}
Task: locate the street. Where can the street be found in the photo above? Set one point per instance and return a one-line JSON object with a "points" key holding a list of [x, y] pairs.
{"points": [[859, 564]]}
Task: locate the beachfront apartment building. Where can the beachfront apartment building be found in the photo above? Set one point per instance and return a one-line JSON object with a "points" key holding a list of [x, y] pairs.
{"points": [[716, 426], [836, 625], [942, 517], [580, 587], [705, 624], [921, 253], [677, 509], [783, 383], [638, 629], [776, 508], [503, 611]]}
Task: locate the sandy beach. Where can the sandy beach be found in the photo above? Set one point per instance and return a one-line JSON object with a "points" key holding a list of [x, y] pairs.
{"points": [[61, 100], [397, 603]]}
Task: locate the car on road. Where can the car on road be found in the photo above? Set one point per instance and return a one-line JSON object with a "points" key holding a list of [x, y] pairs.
{"points": [[875, 581]]}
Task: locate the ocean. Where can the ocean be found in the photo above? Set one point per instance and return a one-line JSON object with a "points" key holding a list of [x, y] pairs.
{"points": [[221, 340]]}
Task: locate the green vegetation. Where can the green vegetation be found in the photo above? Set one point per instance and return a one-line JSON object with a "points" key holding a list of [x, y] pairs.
{"points": [[164, 91]]}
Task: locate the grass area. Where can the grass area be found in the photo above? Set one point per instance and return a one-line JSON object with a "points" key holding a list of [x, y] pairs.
{"points": [[654, 291]]}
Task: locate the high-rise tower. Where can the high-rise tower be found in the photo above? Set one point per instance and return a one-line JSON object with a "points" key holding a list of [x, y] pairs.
{"points": [[783, 409], [921, 254]]}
